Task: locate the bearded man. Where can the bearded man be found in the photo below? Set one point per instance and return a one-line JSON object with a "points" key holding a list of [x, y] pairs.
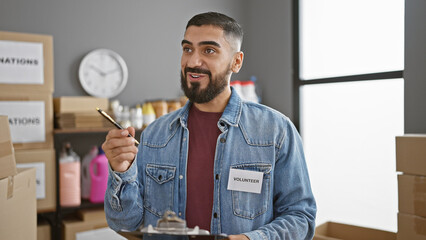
{"points": [[221, 163]]}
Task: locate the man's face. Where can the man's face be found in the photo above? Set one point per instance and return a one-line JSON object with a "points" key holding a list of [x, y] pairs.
{"points": [[206, 63]]}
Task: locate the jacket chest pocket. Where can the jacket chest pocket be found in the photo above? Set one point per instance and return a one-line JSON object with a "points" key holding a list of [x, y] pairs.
{"points": [[159, 184], [250, 205]]}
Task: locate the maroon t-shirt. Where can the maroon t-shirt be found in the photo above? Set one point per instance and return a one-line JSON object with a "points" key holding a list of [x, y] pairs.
{"points": [[203, 134]]}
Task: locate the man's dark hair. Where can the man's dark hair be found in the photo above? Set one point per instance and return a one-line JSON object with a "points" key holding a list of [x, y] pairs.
{"points": [[227, 24]]}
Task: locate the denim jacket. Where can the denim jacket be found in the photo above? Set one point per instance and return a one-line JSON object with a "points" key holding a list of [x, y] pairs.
{"points": [[254, 137]]}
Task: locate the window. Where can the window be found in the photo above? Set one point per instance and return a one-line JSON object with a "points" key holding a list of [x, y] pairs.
{"points": [[349, 96]]}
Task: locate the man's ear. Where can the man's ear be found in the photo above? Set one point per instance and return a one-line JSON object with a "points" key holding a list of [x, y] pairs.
{"points": [[237, 62]]}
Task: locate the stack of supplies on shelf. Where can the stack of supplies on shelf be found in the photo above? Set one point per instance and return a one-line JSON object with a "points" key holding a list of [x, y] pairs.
{"points": [[80, 112], [17, 192], [81, 120], [411, 162], [26, 93]]}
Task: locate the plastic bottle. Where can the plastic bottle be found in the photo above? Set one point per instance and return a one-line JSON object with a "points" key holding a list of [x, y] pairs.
{"points": [[99, 177], [69, 177], [249, 91], [237, 87], [85, 175], [148, 114], [136, 117], [160, 108], [125, 117]]}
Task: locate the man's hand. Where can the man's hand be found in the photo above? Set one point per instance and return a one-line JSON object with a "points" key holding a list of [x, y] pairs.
{"points": [[120, 149], [238, 237]]}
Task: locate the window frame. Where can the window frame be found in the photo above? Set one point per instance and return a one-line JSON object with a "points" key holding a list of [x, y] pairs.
{"points": [[298, 82]]}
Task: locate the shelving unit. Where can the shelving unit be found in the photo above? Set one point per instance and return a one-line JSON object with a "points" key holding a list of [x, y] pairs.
{"points": [[81, 140]]}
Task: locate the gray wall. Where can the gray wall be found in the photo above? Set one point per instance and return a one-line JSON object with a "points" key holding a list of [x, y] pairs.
{"points": [[269, 51], [415, 66], [146, 34]]}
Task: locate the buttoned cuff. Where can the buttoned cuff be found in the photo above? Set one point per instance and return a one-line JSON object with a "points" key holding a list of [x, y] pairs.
{"points": [[124, 177]]}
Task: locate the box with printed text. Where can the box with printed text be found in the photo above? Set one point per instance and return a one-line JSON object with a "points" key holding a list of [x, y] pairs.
{"points": [[30, 119], [43, 160], [26, 62]]}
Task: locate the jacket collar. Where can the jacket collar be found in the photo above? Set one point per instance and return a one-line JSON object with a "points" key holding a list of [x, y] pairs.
{"points": [[231, 115]]}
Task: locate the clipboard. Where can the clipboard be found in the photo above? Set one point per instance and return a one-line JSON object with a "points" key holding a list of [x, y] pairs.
{"points": [[171, 227]]}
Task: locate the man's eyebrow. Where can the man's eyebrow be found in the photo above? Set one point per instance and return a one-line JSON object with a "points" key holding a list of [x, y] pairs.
{"points": [[186, 42], [209, 43], [202, 43]]}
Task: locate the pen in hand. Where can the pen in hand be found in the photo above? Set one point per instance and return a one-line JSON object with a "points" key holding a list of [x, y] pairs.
{"points": [[114, 122]]}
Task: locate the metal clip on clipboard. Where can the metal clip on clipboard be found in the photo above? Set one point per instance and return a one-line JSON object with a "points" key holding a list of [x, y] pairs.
{"points": [[171, 225]]}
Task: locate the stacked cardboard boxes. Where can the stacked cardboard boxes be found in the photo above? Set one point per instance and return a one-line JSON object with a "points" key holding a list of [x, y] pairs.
{"points": [[80, 112], [26, 93], [17, 192], [411, 162]]}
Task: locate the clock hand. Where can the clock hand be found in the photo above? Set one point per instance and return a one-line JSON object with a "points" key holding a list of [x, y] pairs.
{"points": [[111, 71], [98, 70]]}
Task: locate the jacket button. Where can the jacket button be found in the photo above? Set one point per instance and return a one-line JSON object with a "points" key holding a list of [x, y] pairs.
{"points": [[217, 176], [215, 215], [222, 140]]}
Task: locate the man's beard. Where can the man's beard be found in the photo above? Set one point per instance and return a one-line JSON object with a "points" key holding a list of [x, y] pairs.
{"points": [[214, 87]]}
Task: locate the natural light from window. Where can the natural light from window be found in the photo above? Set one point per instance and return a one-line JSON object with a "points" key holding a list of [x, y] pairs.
{"points": [[349, 133], [350, 37]]}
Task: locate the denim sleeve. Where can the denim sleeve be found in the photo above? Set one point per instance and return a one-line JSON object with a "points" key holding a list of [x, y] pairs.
{"points": [[294, 203], [123, 209]]}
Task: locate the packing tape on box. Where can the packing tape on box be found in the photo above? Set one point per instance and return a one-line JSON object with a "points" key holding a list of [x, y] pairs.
{"points": [[420, 195], [10, 187], [420, 225], [5, 149]]}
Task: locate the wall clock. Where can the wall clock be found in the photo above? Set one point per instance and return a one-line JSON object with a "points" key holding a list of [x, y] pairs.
{"points": [[103, 73]]}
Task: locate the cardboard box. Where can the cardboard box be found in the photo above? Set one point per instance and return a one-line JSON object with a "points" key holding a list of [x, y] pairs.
{"points": [[27, 113], [73, 226], [20, 59], [44, 161], [79, 104], [44, 231], [7, 158], [411, 154], [412, 194], [18, 206], [91, 214], [339, 231], [78, 120], [411, 227]]}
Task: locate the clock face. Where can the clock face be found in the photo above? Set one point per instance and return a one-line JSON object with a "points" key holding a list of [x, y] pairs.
{"points": [[103, 73]]}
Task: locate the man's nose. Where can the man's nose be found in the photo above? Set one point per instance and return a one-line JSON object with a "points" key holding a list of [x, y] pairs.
{"points": [[195, 60]]}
